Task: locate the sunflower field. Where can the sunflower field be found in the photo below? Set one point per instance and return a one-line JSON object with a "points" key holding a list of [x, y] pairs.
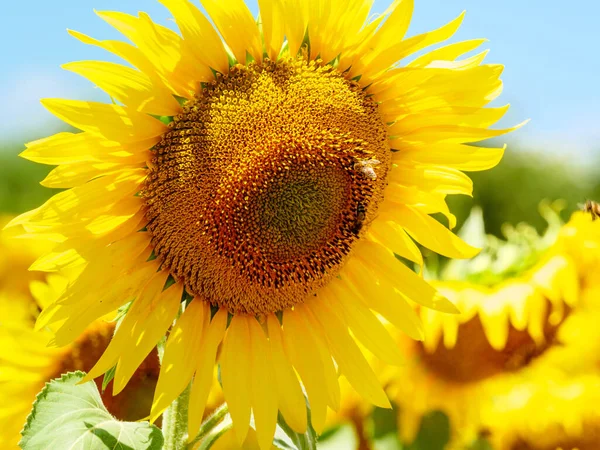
{"points": [[294, 224]]}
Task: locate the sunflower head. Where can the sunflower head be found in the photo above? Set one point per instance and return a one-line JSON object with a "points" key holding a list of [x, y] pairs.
{"points": [[522, 286], [528, 317], [257, 192], [521, 419], [265, 175]]}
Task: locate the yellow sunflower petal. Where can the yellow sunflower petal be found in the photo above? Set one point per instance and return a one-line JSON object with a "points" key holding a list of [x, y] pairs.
{"points": [[456, 115], [234, 21], [263, 396], [199, 36], [114, 122], [70, 148], [332, 24], [414, 90], [405, 48], [300, 345], [387, 36], [385, 266], [393, 236], [291, 14], [272, 22], [494, 318], [398, 8], [367, 328], [439, 179], [461, 157], [182, 353], [235, 373], [132, 55], [129, 86], [432, 234], [72, 319], [446, 53], [291, 399], [204, 373], [86, 201], [350, 359], [163, 49], [156, 314], [71, 175], [383, 298]]}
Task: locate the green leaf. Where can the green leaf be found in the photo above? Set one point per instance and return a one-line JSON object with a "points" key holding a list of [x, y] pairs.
{"points": [[68, 415], [384, 429], [343, 436], [434, 433], [384, 421]]}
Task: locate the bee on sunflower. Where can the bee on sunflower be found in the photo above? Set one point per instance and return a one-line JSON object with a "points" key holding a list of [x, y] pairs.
{"points": [[264, 175]]}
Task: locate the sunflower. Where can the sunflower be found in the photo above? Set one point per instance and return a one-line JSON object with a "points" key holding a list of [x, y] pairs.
{"points": [[521, 327], [27, 363], [264, 175], [570, 418], [16, 255]]}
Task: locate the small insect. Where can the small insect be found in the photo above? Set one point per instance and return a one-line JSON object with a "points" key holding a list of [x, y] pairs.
{"points": [[366, 168], [361, 214], [591, 207]]}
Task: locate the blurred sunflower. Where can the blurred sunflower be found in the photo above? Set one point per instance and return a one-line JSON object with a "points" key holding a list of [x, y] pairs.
{"points": [[569, 418], [27, 363], [529, 319], [16, 256], [265, 174]]}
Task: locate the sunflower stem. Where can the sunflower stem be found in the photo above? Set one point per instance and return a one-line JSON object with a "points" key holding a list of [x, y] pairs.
{"points": [[210, 424], [175, 422]]}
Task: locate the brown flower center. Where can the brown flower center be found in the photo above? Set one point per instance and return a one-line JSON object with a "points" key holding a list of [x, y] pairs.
{"points": [[261, 186], [473, 358], [588, 442]]}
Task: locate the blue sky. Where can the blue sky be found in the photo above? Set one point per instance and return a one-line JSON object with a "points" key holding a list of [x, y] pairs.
{"points": [[549, 48]]}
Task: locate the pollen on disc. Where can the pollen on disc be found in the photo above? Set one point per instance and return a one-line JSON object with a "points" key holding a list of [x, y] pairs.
{"points": [[265, 180]]}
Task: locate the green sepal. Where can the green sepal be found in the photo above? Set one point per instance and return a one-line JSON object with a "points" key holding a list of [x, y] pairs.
{"points": [[70, 415], [288, 439], [108, 377], [164, 119]]}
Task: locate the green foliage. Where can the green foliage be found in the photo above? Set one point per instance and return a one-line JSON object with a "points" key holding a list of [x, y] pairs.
{"points": [[499, 259], [434, 433], [19, 182], [383, 433], [384, 421], [288, 439], [340, 437], [71, 415], [512, 191]]}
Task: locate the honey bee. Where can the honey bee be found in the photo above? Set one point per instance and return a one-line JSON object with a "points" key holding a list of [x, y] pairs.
{"points": [[366, 168], [361, 214], [591, 207]]}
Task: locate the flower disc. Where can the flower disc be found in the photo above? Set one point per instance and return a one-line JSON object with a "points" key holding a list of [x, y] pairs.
{"points": [[263, 183]]}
